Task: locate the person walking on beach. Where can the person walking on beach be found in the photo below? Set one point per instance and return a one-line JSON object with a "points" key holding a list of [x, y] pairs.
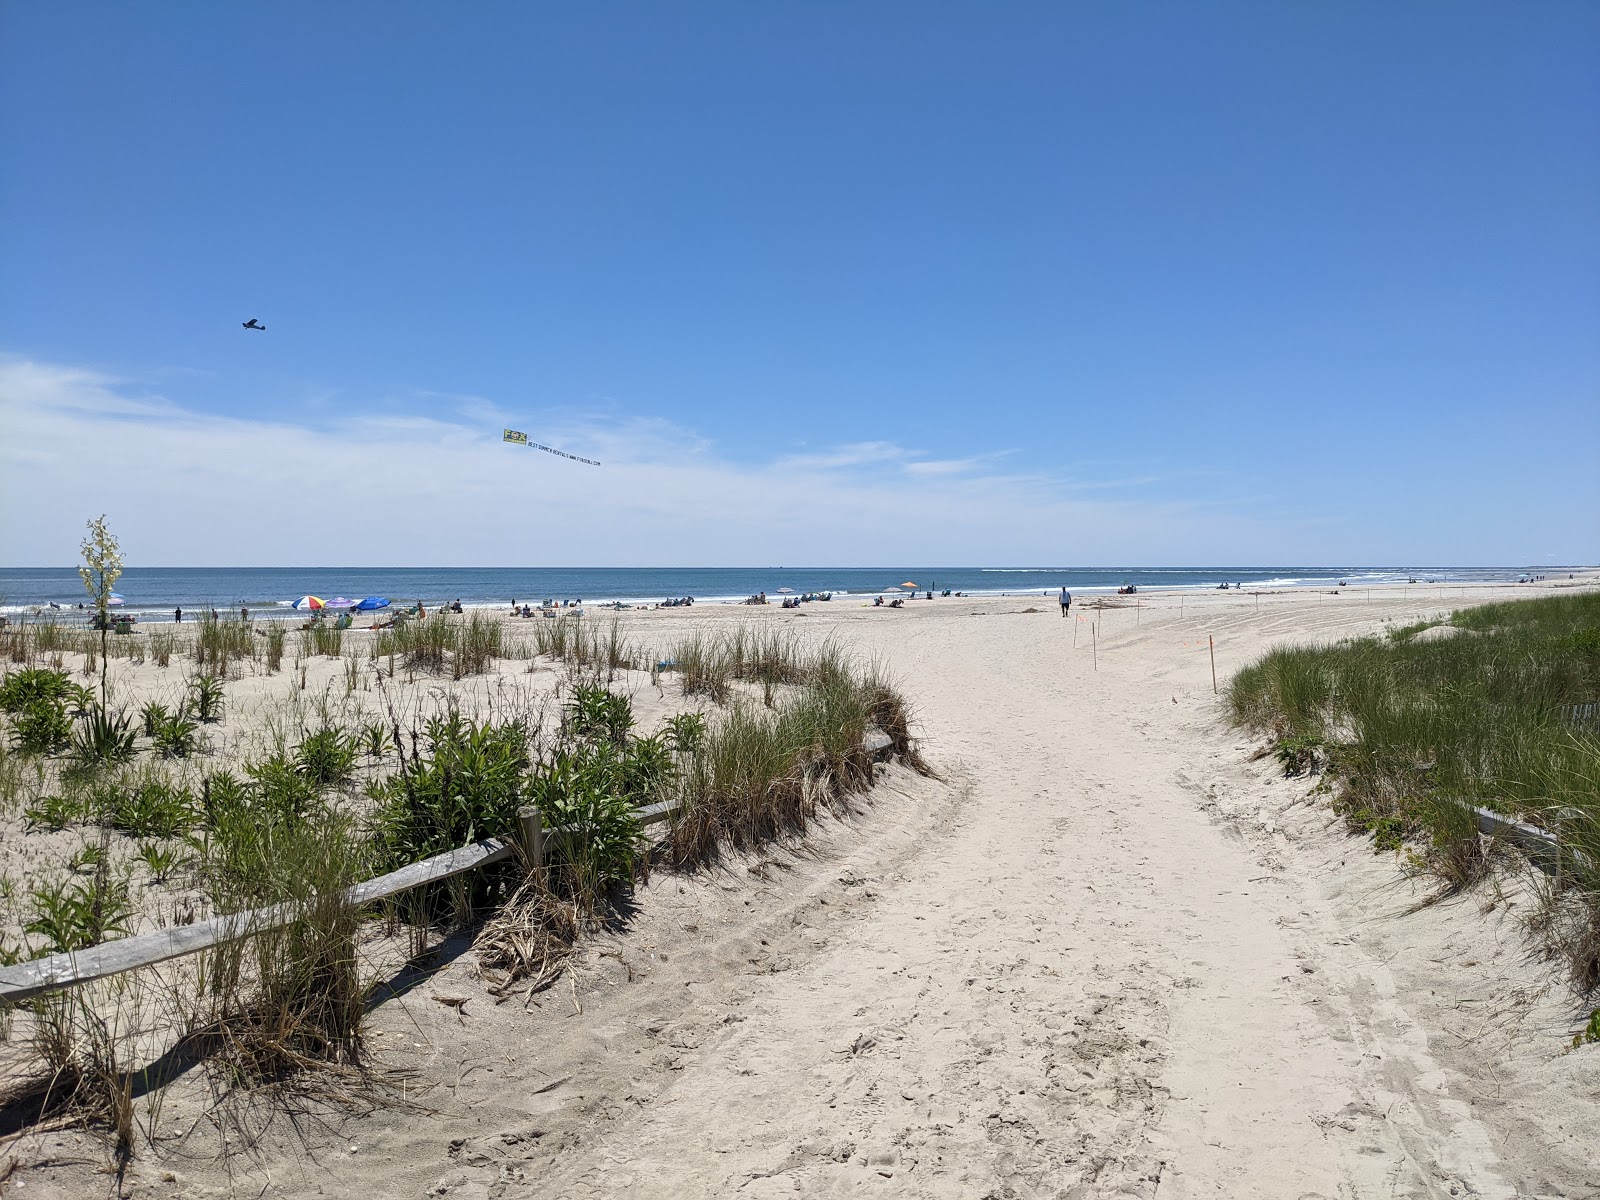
{"points": [[1066, 599], [177, 615]]}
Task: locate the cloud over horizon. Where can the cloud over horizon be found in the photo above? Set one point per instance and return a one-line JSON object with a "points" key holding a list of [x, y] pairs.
{"points": [[187, 488]]}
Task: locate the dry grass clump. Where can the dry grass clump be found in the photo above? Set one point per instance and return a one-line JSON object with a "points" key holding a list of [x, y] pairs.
{"points": [[529, 939], [221, 640], [569, 639], [1414, 733], [442, 645]]}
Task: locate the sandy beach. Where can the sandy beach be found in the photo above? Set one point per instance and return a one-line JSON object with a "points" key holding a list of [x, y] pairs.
{"points": [[1104, 953]]}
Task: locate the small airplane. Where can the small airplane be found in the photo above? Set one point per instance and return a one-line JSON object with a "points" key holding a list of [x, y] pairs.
{"points": [[252, 323]]}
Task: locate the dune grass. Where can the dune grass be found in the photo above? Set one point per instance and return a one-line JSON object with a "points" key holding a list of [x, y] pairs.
{"points": [[444, 645], [331, 797], [585, 643], [221, 640], [1417, 727]]}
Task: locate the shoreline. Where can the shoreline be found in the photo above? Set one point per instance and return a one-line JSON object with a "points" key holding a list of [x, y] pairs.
{"points": [[1354, 585]]}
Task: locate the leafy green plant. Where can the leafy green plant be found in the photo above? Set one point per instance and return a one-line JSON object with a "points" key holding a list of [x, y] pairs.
{"points": [[1298, 753], [595, 712], [145, 805], [152, 716], [581, 792], [176, 737], [41, 727], [375, 741], [282, 789], [103, 737], [90, 854], [76, 914], [21, 689], [686, 732], [206, 698], [326, 758], [56, 812], [161, 859], [468, 786], [80, 700]]}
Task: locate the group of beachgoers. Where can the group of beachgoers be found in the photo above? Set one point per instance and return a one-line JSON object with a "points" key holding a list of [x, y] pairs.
{"points": [[548, 607], [789, 601]]}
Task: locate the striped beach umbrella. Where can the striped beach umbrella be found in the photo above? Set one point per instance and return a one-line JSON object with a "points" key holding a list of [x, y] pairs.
{"points": [[115, 598], [311, 602]]}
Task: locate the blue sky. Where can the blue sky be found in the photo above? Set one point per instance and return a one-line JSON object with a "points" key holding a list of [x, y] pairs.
{"points": [[837, 283]]}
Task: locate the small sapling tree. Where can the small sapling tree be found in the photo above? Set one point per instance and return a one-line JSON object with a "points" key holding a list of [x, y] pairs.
{"points": [[102, 566]]}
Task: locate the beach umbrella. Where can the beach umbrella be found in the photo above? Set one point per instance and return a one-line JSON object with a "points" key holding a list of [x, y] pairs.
{"points": [[912, 586], [372, 602], [341, 602], [311, 602], [116, 598]]}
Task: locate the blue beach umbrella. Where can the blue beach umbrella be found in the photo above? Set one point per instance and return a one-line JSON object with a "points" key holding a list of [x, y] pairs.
{"points": [[115, 598], [372, 602]]}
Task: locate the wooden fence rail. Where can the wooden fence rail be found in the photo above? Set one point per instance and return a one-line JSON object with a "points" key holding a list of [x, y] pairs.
{"points": [[56, 972]]}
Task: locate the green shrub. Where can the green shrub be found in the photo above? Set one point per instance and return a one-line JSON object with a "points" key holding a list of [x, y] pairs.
{"points": [[326, 758], [144, 805], [686, 732], [282, 789], [41, 727], [595, 712], [582, 793], [21, 689]]}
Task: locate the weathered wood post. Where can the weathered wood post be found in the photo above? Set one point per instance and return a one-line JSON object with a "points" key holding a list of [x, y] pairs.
{"points": [[532, 829], [1211, 646]]}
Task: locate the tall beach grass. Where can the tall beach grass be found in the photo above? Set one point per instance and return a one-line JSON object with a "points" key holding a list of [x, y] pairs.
{"points": [[1416, 728]]}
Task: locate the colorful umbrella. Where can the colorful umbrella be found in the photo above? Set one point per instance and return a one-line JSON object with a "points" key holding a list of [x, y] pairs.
{"points": [[116, 598], [372, 602], [341, 602], [311, 602], [912, 586]]}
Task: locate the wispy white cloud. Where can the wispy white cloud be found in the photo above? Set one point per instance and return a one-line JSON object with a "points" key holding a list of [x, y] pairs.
{"points": [[185, 487], [852, 454]]}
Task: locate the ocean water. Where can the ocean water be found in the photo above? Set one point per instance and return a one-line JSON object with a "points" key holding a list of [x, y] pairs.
{"points": [[153, 591]]}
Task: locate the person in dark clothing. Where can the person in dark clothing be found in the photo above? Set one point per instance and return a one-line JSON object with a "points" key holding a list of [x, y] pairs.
{"points": [[1066, 600]]}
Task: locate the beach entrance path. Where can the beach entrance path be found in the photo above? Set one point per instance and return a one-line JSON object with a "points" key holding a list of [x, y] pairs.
{"points": [[1066, 976]]}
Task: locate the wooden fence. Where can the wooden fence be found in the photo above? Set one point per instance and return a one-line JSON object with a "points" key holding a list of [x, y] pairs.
{"points": [[56, 972]]}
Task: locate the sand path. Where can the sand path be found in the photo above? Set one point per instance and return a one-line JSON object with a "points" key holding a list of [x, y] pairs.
{"points": [[1075, 981]]}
